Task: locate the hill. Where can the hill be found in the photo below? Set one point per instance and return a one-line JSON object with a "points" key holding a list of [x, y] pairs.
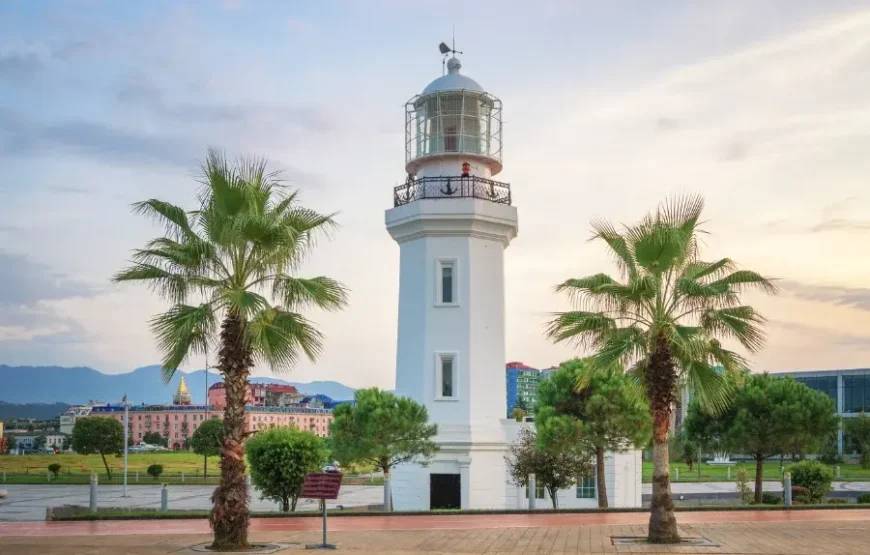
{"points": [[75, 386], [38, 411]]}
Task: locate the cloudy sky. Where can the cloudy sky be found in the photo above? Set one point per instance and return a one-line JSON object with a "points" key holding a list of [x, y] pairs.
{"points": [[760, 106]]}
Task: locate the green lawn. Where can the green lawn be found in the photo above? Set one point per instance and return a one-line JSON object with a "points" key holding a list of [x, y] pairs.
{"points": [[76, 469], [719, 473]]}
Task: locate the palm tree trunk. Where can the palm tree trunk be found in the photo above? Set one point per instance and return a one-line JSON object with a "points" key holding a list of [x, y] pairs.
{"points": [[661, 381], [602, 484], [759, 477], [230, 515]]}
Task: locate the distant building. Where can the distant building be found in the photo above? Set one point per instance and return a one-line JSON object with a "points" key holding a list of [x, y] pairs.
{"points": [[24, 441], [178, 422], [68, 419], [522, 386], [258, 395]]}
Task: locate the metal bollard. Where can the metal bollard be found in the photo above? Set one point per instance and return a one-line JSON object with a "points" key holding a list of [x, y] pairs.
{"points": [[93, 502], [137, 476], [838, 473], [729, 473], [248, 481], [531, 492], [4, 476], [786, 491], [48, 476], [182, 477], [677, 471], [164, 498]]}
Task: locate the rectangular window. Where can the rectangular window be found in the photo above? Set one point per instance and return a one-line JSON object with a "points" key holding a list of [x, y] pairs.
{"points": [[447, 377], [446, 380], [586, 488], [446, 283], [539, 491]]}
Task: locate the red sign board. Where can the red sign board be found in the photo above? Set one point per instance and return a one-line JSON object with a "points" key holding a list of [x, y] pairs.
{"points": [[321, 485]]}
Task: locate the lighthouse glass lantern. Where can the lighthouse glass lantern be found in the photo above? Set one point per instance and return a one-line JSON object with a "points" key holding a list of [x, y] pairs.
{"points": [[453, 116]]}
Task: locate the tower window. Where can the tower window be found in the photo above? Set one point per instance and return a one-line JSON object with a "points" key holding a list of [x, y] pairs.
{"points": [[446, 292], [445, 376]]}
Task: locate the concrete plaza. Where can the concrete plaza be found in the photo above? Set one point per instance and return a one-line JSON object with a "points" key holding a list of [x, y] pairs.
{"points": [[817, 532], [28, 502]]}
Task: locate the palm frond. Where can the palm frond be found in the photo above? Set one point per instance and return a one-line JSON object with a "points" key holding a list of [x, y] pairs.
{"points": [[172, 217], [698, 269], [278, 336], [621, 346], [711, 388], [171, 286], [740, 322], [583, 328], [619, 247], [322, 292], [243, 302], [182, 331], [746, 279]]}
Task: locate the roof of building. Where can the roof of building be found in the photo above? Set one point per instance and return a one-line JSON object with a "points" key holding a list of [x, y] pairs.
{"points": [[518, 366], [453, 80]]}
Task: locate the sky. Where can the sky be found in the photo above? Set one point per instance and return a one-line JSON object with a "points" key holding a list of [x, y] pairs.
{"points": [[609, 108]]}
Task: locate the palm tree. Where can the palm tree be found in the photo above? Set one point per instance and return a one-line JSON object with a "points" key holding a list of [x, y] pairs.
{"points": [[230, 264], [663, 320]]}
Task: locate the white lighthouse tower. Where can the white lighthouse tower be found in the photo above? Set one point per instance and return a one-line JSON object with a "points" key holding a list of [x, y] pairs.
{"points": [[453, 222]]}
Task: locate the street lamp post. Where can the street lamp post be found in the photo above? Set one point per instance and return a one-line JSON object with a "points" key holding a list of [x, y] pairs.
{"points": [[126, 439]]}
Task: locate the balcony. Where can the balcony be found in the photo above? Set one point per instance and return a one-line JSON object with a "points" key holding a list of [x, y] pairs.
{"points": [[452, 187]]}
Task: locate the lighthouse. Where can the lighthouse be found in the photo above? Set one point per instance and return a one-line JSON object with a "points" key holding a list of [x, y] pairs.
{"points": [[453, 222]]}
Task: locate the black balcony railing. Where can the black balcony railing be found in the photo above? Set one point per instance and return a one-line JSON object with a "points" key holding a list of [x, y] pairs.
{"points": [[452, 187]]}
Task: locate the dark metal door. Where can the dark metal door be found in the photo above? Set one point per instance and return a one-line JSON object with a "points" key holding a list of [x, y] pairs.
{"points": [[445, 491]]}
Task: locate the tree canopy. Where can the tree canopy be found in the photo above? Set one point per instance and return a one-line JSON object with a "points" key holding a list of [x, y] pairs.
{"points": [[280, 458], [605, 409], [383, 429], [98, 435], [206, 439], [769, 416], [553, 469], [154, 438], [858, 433]]}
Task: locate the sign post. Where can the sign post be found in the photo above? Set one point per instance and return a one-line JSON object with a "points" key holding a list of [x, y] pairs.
{"points": [[321, 486]]}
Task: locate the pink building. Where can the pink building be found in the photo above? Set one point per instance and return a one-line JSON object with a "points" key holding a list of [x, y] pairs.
{"points": [[259, 394], [178, 422]]}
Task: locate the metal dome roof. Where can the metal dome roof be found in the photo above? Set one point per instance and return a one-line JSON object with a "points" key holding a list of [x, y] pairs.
{"points": [[453, 81]]}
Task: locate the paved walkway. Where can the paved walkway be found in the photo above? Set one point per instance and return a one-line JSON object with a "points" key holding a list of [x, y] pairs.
{"points": [[28, 502], [823, 532]]}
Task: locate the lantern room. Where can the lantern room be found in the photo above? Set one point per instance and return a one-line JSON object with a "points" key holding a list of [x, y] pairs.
{"points": [[453, 121]]}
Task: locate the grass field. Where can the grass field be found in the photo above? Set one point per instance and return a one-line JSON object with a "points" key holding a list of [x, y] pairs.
{"points": [[719, 473], [173, 463], [76, 469]]}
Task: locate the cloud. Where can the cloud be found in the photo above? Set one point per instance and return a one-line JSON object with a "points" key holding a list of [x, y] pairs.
{"points": [[24, 63], [21, 137], [27, 291], [16, 65], [140, 92], [850, 297]]}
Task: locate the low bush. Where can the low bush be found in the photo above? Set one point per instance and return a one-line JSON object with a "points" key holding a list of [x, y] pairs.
{"points": [[798, 491], [155, 470], [864, 498], [802, 500], [814, 476], [837, 501], [770, 499], [54, 468]]}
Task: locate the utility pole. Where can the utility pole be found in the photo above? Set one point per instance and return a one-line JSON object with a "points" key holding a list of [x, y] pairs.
{"points": [[126, 438]]}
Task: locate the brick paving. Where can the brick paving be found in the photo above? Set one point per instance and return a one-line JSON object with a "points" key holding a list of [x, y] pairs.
{"points": [[815, 532]]}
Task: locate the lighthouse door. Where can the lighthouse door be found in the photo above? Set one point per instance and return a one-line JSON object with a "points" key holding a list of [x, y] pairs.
{"points": [[445, 491]]}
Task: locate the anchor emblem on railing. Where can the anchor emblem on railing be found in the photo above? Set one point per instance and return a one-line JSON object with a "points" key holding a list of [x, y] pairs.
{"points": [[449, 190]]}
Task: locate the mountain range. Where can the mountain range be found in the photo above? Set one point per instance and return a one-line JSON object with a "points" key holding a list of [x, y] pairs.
{"points": [[79, 385]]}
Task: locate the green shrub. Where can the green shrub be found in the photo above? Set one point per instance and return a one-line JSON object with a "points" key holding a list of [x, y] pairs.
{"points": [[864, 498], [741, 480], [837, 501], [155, 470], [797, 491], [814, 476], [770, 499], [54, 468], [802, 500], [279, 459]]}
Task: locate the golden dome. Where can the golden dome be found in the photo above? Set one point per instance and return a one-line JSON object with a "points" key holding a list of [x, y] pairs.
{"points": [[182, 395]]}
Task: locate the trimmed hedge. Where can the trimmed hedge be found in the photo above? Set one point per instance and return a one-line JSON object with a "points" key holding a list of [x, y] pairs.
{"points": [[145, 514]]}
